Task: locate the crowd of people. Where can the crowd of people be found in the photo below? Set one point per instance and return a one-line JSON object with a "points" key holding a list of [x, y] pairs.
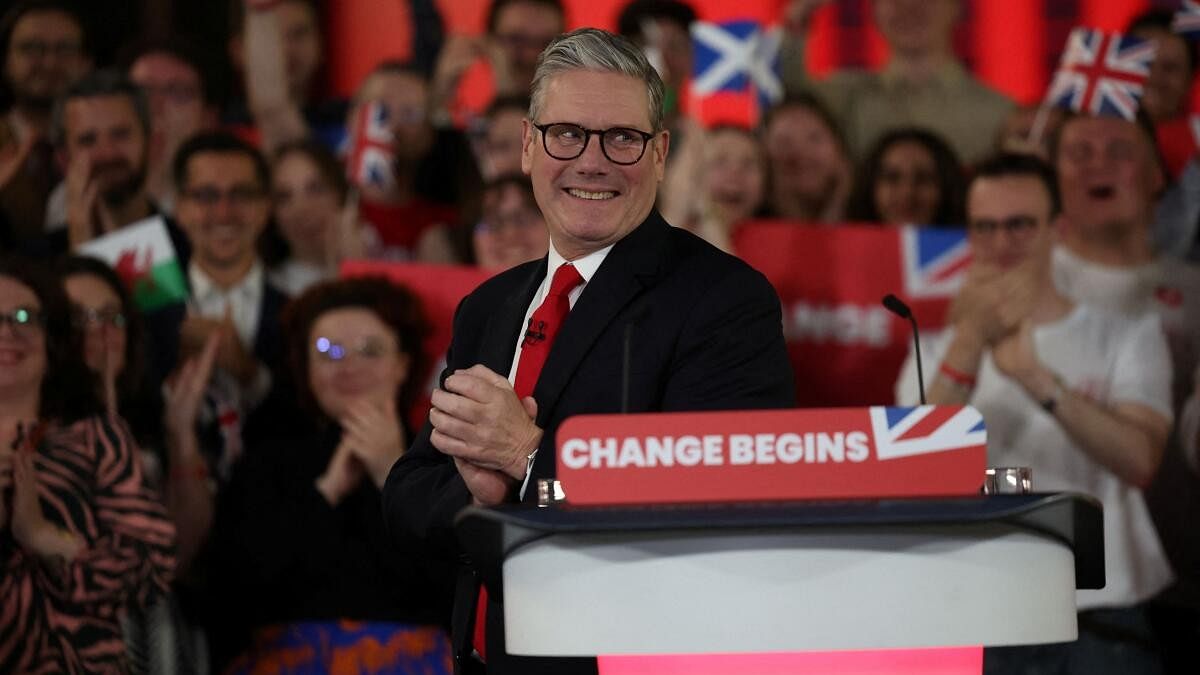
{"points": [[207, 474]]}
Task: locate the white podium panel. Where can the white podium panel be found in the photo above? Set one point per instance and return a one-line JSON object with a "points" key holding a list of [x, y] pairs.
{"points": [[699, 591]]}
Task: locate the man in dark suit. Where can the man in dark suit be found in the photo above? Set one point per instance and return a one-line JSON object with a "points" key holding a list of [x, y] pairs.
{"points": [[545, 340], [223, 206]]}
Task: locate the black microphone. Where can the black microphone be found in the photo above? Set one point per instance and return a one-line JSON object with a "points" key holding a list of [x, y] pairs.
{"points": [[627, 356], [896, 306]]}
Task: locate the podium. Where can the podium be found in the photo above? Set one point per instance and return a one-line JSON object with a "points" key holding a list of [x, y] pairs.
{"points": [[850, 574]]}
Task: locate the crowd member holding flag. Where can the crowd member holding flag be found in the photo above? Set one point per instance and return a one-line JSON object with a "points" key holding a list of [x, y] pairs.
{"points": [[663, 29], [923, 84], [44, 48], [706, 328], [1079, 394], [410, 177]]}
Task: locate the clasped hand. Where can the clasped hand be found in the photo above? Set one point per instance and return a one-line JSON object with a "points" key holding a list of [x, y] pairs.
{"points": [[479, 421]]}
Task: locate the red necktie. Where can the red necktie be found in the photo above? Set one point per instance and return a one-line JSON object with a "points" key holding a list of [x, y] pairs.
{"points": [[543, 327]]}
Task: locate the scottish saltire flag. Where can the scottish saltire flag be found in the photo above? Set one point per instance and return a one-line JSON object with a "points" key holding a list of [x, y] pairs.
{"points": [[1101, 74], [144, 258], [904, 432], [735, 72], [1187, 20], [934, 261], [371, 154]]}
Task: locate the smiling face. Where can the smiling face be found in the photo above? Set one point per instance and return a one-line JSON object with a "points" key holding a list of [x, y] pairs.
{"points": [[103, 339], [106, 130], [1170, 74], [735, 173], [306, 206], [372, 368], [222, 208], [1108, 175], [907, 191], [805, 155], [1009, 221], [589, 202], [23, 347]]}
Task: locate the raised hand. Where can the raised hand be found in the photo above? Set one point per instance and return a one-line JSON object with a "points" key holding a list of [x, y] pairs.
{"points": [[372, 431]]}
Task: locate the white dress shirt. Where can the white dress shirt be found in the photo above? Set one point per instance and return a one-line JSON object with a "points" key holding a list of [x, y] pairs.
{"points": [[243, 300]]}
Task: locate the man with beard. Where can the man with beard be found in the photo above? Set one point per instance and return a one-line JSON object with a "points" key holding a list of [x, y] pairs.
{"points": [[44, 49], [101, 130]]}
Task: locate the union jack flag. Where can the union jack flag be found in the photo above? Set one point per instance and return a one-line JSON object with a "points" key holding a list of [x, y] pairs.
{"points": [[1187, 20], [371, 155], [926, 429], [935, 261], [739, 57], [1101, 74]]}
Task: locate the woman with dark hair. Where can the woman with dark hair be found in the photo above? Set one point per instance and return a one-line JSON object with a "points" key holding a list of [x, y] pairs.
{"points": [[114, 350], [910, 177], [82, 539], [303, 565], [309, 189]]}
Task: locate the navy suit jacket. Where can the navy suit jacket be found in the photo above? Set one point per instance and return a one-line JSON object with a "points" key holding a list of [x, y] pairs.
{"points": [[706, 334]]}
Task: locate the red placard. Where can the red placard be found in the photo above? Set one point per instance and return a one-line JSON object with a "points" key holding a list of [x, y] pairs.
{"points": [[830, 453]]}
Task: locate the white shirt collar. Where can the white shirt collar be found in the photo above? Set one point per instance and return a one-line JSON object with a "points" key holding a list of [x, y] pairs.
{"points": [[587, 265], [205, 289]]}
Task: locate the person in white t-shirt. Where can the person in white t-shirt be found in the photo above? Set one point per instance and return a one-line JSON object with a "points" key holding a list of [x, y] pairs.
{"points": [[1079, 394], [1111, 177]]}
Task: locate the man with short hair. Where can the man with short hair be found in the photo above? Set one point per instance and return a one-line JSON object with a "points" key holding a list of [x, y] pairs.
{"points": [[45, 49], [1079, 394], [101, 130], [223, 207], [707, 327], [1110, 176], [922, 84]]}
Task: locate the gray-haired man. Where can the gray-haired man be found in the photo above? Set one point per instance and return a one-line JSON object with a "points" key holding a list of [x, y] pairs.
{"points": [[543, 341]]}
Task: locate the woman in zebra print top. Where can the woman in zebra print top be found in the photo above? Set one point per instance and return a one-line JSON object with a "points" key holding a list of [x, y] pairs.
{"points": [[81, 536]]}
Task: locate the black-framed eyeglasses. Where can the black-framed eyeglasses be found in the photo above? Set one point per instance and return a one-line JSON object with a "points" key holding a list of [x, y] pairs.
{"points": [[238, 196], [87, 317], [23, 321], [621, 145]]}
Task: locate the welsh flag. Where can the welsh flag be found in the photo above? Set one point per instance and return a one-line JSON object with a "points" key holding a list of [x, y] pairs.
{"points": [[143, 256]]}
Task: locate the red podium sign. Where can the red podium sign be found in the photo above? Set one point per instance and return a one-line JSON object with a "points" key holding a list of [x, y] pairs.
{"points": [[825, 453]]}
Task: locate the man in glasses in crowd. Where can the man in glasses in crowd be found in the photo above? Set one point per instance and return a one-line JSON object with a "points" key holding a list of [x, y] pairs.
{"points": [[544, 340], [223, 206], [44, 48], [1079, 394]]}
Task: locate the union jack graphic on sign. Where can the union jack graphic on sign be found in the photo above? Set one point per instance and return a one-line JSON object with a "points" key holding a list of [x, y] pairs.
{"points": [[904, 432], [934, 261], [1187, 20], [1101, 74], [371, 155]]}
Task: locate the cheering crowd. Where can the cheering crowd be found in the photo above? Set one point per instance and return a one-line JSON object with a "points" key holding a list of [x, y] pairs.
{"points": [[194, 486]]}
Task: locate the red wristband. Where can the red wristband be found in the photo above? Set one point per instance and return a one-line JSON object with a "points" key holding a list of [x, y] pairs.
{"points": [[957, 376]]}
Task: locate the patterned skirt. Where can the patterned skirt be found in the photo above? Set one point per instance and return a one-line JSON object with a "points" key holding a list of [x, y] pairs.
{"points": [[366, 648]]}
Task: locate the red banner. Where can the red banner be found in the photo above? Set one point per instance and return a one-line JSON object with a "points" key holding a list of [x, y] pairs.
{"points": [[846, 349], [834, 453]]}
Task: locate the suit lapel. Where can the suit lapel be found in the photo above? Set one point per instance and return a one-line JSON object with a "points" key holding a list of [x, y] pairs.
{"points": [[629, 267], [500, 332]]}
